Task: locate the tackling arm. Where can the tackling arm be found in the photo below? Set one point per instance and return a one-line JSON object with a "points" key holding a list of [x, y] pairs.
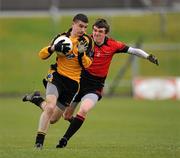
{"points": [[143, 54]]}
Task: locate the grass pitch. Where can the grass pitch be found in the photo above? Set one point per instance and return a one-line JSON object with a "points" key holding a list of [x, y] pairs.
{"points": [[115, 128]]}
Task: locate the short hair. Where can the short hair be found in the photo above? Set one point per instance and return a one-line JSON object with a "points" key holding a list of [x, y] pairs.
{"points": [[81, 17], [102, 23]]}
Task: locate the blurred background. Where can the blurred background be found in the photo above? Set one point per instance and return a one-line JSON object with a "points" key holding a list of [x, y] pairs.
{"points": [[153, 25]]}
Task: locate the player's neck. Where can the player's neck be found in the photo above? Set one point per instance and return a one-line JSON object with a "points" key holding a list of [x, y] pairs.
{"points": [[99, 43], [74, 34]]}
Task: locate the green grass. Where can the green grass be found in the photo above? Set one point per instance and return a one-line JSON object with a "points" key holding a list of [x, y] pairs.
{"points": [[21, 38], [115, 128]]}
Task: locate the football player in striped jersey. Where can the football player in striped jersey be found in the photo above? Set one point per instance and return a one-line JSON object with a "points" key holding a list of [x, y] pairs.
{"points": [[63, 82]]}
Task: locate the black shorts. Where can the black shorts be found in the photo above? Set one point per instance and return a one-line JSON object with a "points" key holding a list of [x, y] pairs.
{"points": [[90, 84], [67, 88]]}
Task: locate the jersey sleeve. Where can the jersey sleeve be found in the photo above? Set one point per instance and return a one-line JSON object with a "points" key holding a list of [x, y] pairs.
{"points": [[86, 61], [121, 47], [45, 53]]}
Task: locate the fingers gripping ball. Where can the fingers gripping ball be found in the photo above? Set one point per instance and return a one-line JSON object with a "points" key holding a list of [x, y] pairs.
{"points": [[63, 45]]}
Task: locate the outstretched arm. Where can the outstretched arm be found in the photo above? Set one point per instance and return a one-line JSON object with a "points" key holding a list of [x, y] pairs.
{"points": [[143, 54]]}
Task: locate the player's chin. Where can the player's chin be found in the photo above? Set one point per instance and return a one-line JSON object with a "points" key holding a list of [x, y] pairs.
{"points": [[81, 33], [98, 40]]}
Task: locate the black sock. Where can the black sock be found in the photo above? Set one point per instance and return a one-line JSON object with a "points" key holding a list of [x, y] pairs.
{"points": [[74, 126], [71, 119], [40, 138], [37, 101]]}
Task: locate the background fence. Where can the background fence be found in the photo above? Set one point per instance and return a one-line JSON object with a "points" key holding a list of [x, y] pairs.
{"points": [[72, 4]]}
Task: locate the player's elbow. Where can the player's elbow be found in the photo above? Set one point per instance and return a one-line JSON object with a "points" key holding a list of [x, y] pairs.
{"points": [[44, 54], [41, 56]]}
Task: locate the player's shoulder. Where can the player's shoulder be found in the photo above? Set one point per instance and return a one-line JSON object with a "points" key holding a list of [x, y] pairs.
{"points": [[112, 41], [87, 37]]}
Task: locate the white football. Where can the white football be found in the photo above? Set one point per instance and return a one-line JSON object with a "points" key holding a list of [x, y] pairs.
{"points": [[66, 40]]}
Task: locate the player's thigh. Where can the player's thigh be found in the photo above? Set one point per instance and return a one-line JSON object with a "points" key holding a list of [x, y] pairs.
{"points": [[51, 94]]}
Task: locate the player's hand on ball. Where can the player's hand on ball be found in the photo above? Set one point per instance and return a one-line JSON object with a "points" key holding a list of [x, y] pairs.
{"points": [[153, 59], [82, 47], [62, 47]]}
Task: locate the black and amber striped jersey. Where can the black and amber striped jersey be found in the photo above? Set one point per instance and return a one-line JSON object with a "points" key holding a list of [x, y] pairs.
{"points": [[71, 64]]}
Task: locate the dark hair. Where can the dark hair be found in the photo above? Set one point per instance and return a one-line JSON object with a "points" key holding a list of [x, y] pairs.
{"points": [[102, 23], [81, 17]]}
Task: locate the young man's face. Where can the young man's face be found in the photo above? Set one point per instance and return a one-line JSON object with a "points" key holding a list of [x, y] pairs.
{"points": [[99, 35], [79, 28]]}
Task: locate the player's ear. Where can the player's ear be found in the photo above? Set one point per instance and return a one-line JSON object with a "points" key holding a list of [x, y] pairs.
{"points": [[73, 23]]}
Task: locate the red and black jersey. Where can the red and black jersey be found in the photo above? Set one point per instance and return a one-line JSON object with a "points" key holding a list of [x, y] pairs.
{"points": [[103, 55], [93, 77]]}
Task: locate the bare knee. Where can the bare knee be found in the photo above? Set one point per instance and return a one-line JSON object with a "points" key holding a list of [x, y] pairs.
{"points": [[86, 106], [50, 104], [49, 109], [83, 112]]}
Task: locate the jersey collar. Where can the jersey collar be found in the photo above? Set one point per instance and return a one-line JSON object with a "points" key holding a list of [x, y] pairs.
{"points": [[104, 43]]}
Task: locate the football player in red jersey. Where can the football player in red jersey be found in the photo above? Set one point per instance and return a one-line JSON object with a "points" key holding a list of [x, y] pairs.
{"points": [[93, 78]]}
